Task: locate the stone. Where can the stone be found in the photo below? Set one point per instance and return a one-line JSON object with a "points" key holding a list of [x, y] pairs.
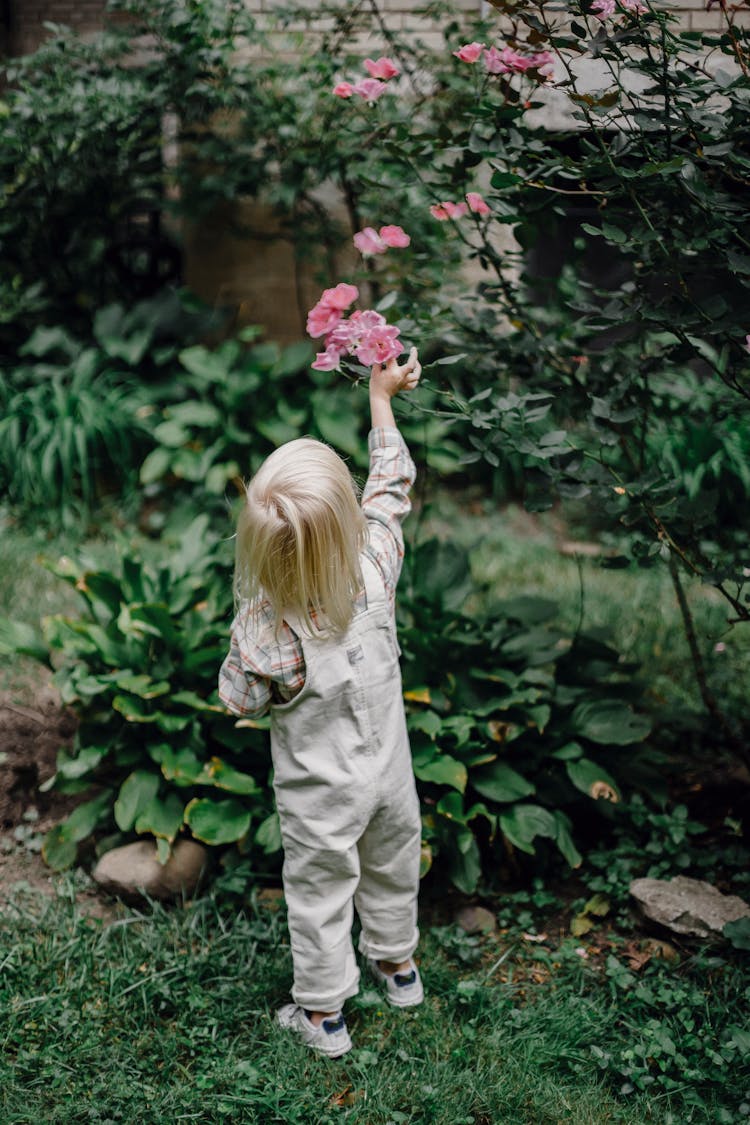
{"points": [[687, 906], [476, 920], [133, 871]]}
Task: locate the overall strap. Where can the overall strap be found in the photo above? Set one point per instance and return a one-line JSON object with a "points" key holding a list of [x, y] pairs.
{"points": [[374, 585]]}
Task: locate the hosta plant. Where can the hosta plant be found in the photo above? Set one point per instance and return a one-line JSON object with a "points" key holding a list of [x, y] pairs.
{"points": [[517, 729]]}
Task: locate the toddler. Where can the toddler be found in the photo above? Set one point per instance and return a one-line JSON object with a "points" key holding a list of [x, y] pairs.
{"points": [[314, 642]]}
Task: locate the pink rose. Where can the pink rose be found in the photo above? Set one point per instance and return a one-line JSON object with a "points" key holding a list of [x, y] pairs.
{"points": [[635, 7], [470, 52], [381, 68], [476, 203], [506, 61], [341, 297], [395, 236], [321, 320], [328, 360], [448, 210], [747, 342], [343, 90], [603, 8], [369, 242], [379, 345], [370, 89]]}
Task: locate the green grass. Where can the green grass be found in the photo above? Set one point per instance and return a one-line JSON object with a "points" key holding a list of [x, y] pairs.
{"points": [[167, 1015]]}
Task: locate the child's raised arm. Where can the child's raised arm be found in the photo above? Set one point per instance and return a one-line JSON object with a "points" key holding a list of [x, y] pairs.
{"points": [[386, 381]]}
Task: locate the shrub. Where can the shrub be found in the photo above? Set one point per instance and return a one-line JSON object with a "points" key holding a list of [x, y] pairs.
{"points": [[509, 740]]}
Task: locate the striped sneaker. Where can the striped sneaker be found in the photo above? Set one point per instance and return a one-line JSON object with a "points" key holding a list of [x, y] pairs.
{"points": [[330, 1037], [404, 989]]}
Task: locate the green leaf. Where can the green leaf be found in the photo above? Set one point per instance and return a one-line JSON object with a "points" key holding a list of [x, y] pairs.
{"points": [[136, 793], [217, 822], [156, 465], [464, 865], [738, 932], [592, 780], [500, 782], [268, 835], [564, 840], [614, 234], [568, 753], [523, 823], [429, 722], [181, 766], [609, 722], [443, 770], [59, 850], [223, 776], [162, 817], [85, 761], [19, 639]]}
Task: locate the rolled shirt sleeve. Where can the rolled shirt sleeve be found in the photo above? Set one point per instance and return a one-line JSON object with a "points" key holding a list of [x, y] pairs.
{"points": [[386, 502]]}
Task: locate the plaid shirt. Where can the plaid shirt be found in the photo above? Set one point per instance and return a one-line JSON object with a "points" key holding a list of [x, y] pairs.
{"points": [[264, 667]]}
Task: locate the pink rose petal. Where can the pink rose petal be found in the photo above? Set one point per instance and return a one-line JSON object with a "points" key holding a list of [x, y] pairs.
{"points": [[476, 203], [368, 241], [370, 89], [470, 52], [394, 236], [382, 68]]}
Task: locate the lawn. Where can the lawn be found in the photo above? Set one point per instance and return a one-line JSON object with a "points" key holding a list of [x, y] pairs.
{"points": [[167, 1015]]}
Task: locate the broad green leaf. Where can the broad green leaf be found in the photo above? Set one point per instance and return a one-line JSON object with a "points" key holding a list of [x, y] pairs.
{"points": [[523, 823], [85, 818], [268, 835], [59, 850], [136, 793], [181, 766], [217, 822], [223, 776], [443, 770], [609, 722], [464, 864], [195, 413], [140, 684], [738, 933], [86, 760], [592, 780], [429, 722], [567, 753], [19, 639], [134, 709], [564, 840], [500, 782], [156, 465], [162, 817]]}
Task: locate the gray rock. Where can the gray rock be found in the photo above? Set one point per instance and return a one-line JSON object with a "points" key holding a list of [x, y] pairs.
{"points": [[133, 871], [687, 906], [476, 920]]}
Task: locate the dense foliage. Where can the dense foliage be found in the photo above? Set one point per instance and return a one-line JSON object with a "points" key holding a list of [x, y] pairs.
{"points": [[516, 727], [571, 185]]}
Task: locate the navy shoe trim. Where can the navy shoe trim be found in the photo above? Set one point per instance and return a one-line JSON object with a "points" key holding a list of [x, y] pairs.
{"points": [[404, 979]]}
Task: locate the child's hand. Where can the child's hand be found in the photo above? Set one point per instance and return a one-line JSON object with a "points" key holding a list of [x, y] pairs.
{"points": [[392, 377]]}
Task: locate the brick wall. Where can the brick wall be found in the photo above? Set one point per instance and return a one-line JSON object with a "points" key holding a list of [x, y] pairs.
{"points": [[27, 17]]}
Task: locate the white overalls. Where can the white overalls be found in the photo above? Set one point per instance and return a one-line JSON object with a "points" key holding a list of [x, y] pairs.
{"points": [[348, 806]]}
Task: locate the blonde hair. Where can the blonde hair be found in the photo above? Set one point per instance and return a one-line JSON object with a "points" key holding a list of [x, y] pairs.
{"points": [[299, 536]]}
